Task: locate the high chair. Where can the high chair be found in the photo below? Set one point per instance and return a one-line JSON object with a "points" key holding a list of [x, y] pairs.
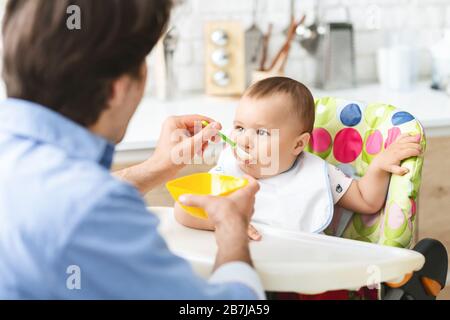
{"points": [[349, 134]]}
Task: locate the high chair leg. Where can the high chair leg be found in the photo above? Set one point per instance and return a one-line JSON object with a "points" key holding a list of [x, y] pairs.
{"points": [[426, 283]]}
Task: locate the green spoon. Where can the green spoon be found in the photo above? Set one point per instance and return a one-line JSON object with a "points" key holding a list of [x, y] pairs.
{"points": [[241, 153]]}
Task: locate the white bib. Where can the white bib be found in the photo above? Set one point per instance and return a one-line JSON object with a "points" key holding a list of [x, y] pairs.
{"points": [[298, 200]]}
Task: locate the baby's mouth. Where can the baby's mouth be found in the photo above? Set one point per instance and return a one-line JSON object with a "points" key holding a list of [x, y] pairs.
{"points": [[242, 154], [244, 157], [247, 162]]}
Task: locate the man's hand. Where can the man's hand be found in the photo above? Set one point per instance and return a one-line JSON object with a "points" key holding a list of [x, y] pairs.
{"points": [[404, 147], [181, 138], [177, 145], [231, 216]]}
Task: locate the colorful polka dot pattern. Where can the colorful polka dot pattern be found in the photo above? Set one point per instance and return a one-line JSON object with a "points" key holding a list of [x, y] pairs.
{"points": [[351, 115], [347, 145], [320, 140], [374, 142], [393, 133], [351, 134]]}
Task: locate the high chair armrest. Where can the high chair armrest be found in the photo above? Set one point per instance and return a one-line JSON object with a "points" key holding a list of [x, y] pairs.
{"points": [[398, 219]]}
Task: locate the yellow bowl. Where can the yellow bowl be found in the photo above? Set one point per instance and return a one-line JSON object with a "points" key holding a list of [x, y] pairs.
{"points": [[204, 184]]}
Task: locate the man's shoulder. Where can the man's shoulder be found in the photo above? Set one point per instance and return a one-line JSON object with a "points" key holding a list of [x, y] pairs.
{"points": [[62, 196], [84, 185], [77, 179]]}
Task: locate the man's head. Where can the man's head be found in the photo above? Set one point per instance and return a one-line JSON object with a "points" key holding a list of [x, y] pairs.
{"points": [[273, 104], [94, 75]]}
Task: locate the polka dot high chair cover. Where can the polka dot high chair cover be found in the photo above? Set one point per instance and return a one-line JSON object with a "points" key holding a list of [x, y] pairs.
{"points": [[350, 134]]}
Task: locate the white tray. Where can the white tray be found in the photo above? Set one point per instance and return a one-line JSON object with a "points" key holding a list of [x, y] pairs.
{"points": [[297, 262]]}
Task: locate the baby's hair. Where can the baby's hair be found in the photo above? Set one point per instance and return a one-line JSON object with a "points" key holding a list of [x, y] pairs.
{"points": [[302, 99]]}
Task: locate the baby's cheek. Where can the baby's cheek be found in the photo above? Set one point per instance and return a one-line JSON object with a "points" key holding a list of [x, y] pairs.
{"points": [[233, 135], [264, 152], [242, 139], [266, 147]]}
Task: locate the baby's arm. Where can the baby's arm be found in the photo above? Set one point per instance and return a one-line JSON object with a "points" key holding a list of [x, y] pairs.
{"points": [[190, 221], [368, 194]]}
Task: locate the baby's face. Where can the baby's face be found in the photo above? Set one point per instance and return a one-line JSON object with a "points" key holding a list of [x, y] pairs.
{"points": [[268, 129]]}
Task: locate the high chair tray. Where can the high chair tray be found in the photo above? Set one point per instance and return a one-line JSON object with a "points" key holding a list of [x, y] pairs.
{"points": [[297, 262]]}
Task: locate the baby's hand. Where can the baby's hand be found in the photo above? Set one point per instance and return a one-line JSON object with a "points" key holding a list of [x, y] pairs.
{"points": [[404, 147], [253, 234]]}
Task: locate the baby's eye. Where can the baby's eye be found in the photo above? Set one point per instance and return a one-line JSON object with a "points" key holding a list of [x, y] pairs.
{"points": [[263, 132], [238, 128]]}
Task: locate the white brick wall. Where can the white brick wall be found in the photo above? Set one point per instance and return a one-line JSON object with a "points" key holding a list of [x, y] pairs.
{"points": [[375, 22]]}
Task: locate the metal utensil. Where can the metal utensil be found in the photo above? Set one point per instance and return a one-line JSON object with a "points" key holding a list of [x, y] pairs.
{"points": [[336, 58], [308, 35], [170, 43], [254, 38]]}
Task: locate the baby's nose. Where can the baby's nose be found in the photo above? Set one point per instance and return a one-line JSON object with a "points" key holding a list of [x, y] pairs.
{"points": [[245, 141]]}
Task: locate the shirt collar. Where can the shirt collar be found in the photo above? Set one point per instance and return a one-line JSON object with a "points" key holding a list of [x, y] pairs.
{"points": [[34, 121]]}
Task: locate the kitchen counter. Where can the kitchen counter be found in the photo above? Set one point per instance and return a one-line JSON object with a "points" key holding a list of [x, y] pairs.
{"points": [[431, 107]]}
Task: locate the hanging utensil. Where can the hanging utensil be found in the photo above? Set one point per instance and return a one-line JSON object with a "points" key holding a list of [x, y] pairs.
{"points": [[253, 43], [309, 35]]}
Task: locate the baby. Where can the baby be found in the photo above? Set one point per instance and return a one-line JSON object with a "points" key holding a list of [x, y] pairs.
{"points": [[298, 190]]}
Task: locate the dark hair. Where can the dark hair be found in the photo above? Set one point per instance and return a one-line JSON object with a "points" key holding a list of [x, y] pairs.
{"points": [[302, 99], [72, 71]]}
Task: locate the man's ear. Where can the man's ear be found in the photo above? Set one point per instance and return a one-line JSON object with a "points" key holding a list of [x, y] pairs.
{"points": [[301, 142], [119, 88]]}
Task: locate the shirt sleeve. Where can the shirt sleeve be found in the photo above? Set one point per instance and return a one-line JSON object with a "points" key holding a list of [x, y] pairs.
{"points": [[239, 272], [339, 182], [120, 255]]}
